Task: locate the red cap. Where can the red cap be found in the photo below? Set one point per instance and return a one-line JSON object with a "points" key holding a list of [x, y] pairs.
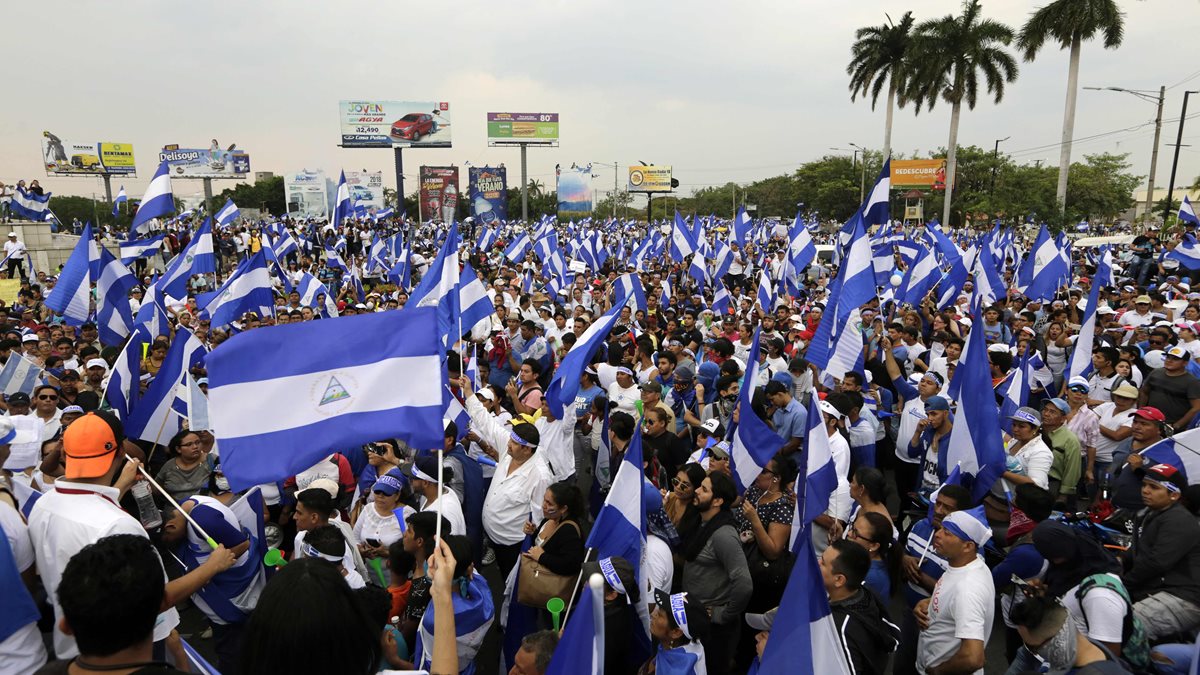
{"points": [[1150, 413]]}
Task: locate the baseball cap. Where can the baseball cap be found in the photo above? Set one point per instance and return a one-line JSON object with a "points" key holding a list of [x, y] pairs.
{"points": [[390, 483], [1057, 403], [1178, 352], [29, 337], [1079, 383], [1166, 476], [97, 363], [689, 617], [1141, 300], [651, 387], [969, 525], [761, 621], [1027, 414], [1105, 309], [720, 450], [20, 398], [710, 426], [423, 468], [327, 484], [684, 375], [1150, 413], [936, 403], [90, 445], [1126, 390]]}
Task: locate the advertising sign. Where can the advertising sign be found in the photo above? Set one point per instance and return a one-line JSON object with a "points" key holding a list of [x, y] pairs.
{"points": [[304, 193], [366, 189], [211, 163], [649, 179], [517, 128], [489, 193], [386, 124], [913, 173], [438, 198], [575, 192], [91, 158]]}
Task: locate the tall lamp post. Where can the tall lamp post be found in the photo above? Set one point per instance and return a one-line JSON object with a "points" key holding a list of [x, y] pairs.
{"points": [[854, 165], [1147, 95], [1175, 161], [862, 181]]}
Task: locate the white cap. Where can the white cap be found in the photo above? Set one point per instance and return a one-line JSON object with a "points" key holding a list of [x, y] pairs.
{"points": [[94, 363]]}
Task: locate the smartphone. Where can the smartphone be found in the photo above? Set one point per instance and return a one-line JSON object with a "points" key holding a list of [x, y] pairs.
{"points": [[375, 448], [373, 543]]}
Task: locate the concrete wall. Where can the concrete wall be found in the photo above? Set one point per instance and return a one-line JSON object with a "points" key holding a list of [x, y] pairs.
{"points": [[49, 250]]}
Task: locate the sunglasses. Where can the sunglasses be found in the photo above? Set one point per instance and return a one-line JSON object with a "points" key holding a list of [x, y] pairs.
{"points": [[47, 398], [675, 482]]}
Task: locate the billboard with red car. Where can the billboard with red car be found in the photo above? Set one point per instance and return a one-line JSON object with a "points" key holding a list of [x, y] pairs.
{"points": [[386, 124]]}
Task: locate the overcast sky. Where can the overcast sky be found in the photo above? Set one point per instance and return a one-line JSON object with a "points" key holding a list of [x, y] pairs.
{"points": [[721, 90]]}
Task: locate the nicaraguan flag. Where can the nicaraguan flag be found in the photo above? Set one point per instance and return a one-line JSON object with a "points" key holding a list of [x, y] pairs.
{"points": [[1181, 451], [227, 214], [157, 201], [804, 638], [766, 292], [72, 294], [974, 443], [876, 209], [401, 273], [248, 289], [476, 307], [342, 209], [801, 248], [151, 314], [487, 239], [565, 383], [311, 290], [629, 286], [821, 478], [29, 206], [285, 245], [518, 248], [121, 197], [1014, 391], [153, 419], [141, 248], [1042, 272], [474, 613], [1187, 214], [1187, 252], [280, 399], [741, 226], [196, 258], [384, 214], [721, 301], [19, 374], [114, 314], [754, 444], [683, 243], [122, 389], [439, 286], [1081, 358], [580, 651], [919, 279], [664, 300], [620, 527]]}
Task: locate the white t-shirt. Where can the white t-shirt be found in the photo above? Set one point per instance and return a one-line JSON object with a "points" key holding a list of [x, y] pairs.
{"points": [[660, 569], [384, 529], [1102, 613], [626, 399], [23, 651], [961, 608], [1111, 420], [450, 508]]}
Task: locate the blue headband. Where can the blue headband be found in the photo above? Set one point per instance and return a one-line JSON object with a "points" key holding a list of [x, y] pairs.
{"points": [[679, 612], [520, 441], [613, 579]]}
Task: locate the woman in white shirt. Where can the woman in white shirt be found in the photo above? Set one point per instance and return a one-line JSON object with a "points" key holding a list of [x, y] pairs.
{"points": [[377, 527], [1116, 425], [1029, 460]]}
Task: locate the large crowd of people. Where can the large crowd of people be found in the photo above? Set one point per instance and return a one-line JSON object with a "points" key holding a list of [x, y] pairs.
{"points": [[1083, 556]]}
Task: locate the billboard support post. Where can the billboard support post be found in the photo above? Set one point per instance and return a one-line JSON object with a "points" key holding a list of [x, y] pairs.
{"points": [[208, 196], [107, 187], [396, 151], [649, 203], [524, 185]]}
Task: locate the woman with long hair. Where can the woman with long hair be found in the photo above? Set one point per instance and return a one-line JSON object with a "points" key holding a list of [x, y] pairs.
{"points": [[558, 539], [873, 531]]}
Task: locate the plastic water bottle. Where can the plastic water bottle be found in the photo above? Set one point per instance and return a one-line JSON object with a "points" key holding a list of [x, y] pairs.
{"points": [[148, 511]]}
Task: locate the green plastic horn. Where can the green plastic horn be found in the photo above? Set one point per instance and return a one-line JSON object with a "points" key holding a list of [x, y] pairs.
{"points": [[555, 606], [273, 558]]}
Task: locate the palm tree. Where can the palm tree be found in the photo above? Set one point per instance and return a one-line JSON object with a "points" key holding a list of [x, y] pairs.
{"points": [[947, 57], [878, 58], [1069, 23]]}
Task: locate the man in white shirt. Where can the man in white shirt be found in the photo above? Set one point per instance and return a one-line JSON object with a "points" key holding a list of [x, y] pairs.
{"points": [[83, 509], [14, 251], [423, 474], [956, 620], [21, 648], [1140, 315]]}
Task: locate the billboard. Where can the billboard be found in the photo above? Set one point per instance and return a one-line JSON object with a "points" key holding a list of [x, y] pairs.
{"points": [[438, 198], [366, 189], [489, 193], [210, 163], [649, 178], [914, 173], [517, 128], [91, 158], [304, 194], [385, 124], [575, 192]]}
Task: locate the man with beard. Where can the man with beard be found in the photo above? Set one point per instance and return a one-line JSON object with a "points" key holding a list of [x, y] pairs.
{"points": [[715, 571]]}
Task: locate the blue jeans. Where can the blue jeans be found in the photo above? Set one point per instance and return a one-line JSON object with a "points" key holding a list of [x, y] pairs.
{"points": [[1180, 656]]}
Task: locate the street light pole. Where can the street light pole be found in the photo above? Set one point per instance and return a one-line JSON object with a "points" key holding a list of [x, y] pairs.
{"points": [[854, 166], [995, 162], [1175, 161], [862, 181], [1145, 95]]}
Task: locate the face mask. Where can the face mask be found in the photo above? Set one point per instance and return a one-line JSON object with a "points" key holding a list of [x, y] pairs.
{"points": [[729, 398]]}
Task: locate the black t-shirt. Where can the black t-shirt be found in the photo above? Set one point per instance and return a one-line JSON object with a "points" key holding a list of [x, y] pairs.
{"points": [[689, 336], [1172, 395]]}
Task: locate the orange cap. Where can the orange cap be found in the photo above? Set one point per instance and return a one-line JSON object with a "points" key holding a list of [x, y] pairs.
{"points": [[89, 444]]}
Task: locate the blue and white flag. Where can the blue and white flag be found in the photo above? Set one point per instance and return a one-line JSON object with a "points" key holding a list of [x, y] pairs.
{"points": [[227, 214], [1187, 214], [153, 418], [29, 206], [474, 613], [919, 279], [157, 201], [400, 274], [121, 197], [141, 248], [248, 289], [580, 650], [1080, 361], [475, 305], [342, 208], [280, 399], [741, 226], [820, 473], [766, 292], [801, 248], [72, 293], [974, 443], [19, 374], [853, 286], [439, 286], [721, 302], [629, 286], [518, 248], [114, 314], [1014, 391], [284, 245], [1187, 252], [564, 385], [620, 527], [683, 243], [311, 290], [123, 388], [876, 208], [1181, 451], [152, 313], [804, 638], [1041, 275], [196, 258], [488, 236], [754, 443]]}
